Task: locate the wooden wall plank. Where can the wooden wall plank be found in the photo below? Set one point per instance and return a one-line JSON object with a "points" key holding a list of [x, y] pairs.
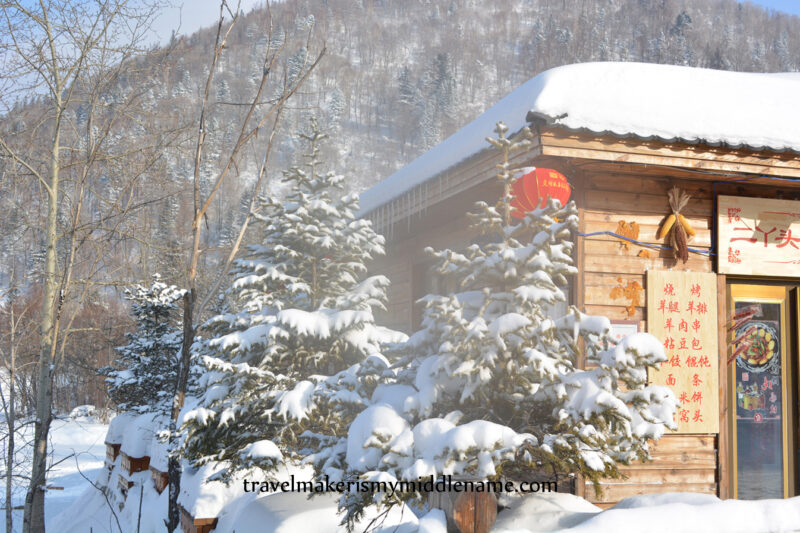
{"points": [[612, 493], [670, 475], [647, 232], [624, 204], [553, 136]]}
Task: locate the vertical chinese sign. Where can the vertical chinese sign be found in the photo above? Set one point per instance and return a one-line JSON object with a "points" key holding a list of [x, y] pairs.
{"points": [[682, 313], [757, 236]]}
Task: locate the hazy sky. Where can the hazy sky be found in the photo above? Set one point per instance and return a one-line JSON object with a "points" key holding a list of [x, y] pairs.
{"points": [[787, 6], [192, 15], [196, 14]]}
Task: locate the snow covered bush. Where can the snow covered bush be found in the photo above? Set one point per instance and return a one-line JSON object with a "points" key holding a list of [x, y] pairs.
{"points": [[489, 386], [146, 373], [301, 309]]}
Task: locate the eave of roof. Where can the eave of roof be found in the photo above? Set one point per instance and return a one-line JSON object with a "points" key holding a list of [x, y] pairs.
{"points": [[668, 103]]}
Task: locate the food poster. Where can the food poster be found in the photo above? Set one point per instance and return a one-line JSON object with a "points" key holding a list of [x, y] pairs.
{"points": [[682, 314], [759, 409]]}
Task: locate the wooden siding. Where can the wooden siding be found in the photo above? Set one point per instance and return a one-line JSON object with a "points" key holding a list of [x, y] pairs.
{"points": [[586, 145], [614, 180], [135, 464], [609, 262], [160, 479], [112, 451], [627, 154], [124, 484], [680, 463]]}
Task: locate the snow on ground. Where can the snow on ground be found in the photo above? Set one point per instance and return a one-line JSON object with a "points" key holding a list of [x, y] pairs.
{"points": [[79, 438], [654, 513], [289, 512], [78, 448], [80, 507], [545, 512]]}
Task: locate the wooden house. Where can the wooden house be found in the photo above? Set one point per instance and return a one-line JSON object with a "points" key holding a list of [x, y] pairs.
{"points": [[624, 134]]}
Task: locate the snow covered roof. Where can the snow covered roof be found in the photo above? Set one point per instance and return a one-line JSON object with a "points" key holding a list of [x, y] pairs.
{"points": [[666, 102], [116, 429]]}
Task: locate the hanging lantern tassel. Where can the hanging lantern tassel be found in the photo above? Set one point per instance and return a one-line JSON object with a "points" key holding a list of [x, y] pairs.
{"points": [[676, 226]]}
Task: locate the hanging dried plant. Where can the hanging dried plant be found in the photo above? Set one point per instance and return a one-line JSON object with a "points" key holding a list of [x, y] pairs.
{"points": [[676, 227]]}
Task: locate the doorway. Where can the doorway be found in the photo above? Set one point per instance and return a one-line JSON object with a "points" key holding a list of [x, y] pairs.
{"points": [[763, 383]]}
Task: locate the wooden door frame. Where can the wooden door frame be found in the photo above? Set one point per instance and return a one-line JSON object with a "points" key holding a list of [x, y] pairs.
{"points": [[767, 291]]}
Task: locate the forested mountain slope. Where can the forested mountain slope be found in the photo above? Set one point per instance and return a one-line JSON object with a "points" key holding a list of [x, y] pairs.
{"points": [[398, 77]]}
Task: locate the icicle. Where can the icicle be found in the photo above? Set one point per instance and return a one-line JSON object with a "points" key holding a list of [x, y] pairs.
{"points": [[410, 202], [391, 221]]}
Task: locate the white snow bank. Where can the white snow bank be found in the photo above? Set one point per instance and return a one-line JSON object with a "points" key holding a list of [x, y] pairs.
{"points": [[286, 513], [78, 450], [645, 100], [655, 513], [204, 498], [289, 512], [138, 435], [689, 515], [116, 429], [159, 453], [85, 413], [545, 512], [433, 522]]}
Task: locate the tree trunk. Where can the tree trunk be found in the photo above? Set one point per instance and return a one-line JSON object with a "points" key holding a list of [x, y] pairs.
{"points": [[11, 415], [174, 469], [33, 520]]}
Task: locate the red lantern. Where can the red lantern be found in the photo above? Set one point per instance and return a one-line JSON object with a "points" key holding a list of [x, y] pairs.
{"points": [[532, 189]]}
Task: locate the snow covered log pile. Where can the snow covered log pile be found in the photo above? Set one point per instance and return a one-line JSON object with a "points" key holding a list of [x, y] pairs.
{"points": [[143, 452]]}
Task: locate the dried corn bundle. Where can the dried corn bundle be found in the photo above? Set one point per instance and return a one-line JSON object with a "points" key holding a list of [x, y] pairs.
{"points": [[676, 227]]}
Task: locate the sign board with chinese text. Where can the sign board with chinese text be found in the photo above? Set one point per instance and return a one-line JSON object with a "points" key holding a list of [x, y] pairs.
{"points": [[758, 236], [682, 314]]}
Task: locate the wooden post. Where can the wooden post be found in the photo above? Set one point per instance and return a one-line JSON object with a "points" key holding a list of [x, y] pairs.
{"points": [[579, 184], [723, 472]]}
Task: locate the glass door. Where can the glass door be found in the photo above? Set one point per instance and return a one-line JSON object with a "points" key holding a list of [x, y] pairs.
{"points": [[758, 375]]}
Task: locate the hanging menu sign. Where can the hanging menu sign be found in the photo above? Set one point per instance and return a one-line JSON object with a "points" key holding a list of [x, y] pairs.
{"points": [[682, 313], [757, 236]]}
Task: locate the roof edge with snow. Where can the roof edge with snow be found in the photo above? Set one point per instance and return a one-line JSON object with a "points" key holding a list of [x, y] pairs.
{"points": [[669, 103]]}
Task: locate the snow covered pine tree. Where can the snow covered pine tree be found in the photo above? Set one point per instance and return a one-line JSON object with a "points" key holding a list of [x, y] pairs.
{"points": [[146, 381], [489, 386], [301, 311]]}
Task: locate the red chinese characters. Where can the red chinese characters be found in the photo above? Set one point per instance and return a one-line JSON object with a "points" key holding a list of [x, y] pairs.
{"points": [[755, 235], [683, 316]]}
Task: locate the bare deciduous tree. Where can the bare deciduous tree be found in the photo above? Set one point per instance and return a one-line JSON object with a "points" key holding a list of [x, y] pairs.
{"points": [[262, 112], [77, 59]]}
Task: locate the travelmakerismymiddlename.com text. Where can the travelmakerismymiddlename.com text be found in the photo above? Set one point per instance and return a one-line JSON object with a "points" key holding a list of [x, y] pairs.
{"points": [[442, 484]]}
